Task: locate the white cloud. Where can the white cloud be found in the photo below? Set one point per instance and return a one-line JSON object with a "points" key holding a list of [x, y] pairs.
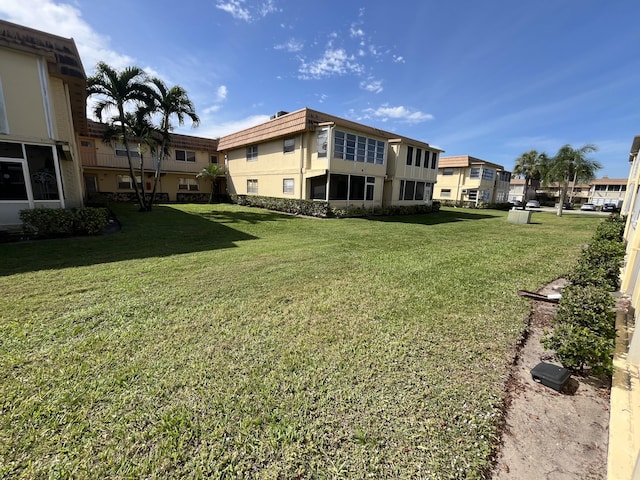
{"points": [[333, 62], [398, 58], [400, 113], [221, 93], [291, 45], [371, 85], [239, 10], [356, 32], [65, 20]]}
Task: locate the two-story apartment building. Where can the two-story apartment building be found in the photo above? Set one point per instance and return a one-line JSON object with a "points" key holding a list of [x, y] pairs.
{"points": [[106, 168], [42, 107], [468, 179], [312, 155], [607, 190]]}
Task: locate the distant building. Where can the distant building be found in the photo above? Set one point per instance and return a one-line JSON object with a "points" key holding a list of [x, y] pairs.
{"points": [[310, 155], [466, 179], [106, 168], [608, 190]]}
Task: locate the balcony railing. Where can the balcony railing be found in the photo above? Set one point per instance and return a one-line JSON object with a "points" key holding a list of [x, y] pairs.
{"points": [[93, 159]]}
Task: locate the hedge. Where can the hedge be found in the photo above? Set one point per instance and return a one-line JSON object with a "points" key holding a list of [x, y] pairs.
{"points": [[64, 222]]}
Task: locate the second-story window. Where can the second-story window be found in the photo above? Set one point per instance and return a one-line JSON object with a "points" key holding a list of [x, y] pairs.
{"points": [[447, 171], [213, 159], [418, 157], [409, 155], [185, 156], [475, 172], [434, 160], [122, 152], [252, 153], [289, 145]]}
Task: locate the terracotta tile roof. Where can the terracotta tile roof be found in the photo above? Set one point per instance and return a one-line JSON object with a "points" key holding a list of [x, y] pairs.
{"points": [[97, 129], [465, 161], [609, 181], [302, 121]]}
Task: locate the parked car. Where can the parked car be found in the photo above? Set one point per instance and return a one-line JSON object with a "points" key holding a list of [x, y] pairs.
{"points": [[610, 207], [588, 207], [516, 203], [533, 204]]}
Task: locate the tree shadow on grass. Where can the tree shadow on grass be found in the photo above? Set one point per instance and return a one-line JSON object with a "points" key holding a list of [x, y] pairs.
{"points": [[163, 232], [442, 216]]}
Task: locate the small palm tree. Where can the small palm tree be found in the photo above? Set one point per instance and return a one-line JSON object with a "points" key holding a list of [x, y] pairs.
{"points": [[211, 172], [118, 90], [569, 163], [168, 103], [528, 167]]}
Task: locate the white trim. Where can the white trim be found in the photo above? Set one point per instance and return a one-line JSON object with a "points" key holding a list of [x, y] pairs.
{"points": [[4, 122], [44, 85]]}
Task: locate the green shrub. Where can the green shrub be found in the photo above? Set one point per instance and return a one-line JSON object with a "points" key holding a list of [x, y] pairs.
{"points": [[605, 255], [611, 229], [584, 332], [63, 222], [311, 208]]}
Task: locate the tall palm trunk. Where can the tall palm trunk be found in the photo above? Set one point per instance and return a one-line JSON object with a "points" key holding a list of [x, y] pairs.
{"points": [[125, 140]]}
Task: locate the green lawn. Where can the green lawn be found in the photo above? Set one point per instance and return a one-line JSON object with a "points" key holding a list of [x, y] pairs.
{"points": [[229, 342]]}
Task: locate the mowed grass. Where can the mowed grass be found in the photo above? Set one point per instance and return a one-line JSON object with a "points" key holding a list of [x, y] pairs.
{"points": [[226, 342]]}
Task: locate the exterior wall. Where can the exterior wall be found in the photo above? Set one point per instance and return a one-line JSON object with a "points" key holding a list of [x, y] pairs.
{"points": [[624, 431], [404, 171], [25, 106]]}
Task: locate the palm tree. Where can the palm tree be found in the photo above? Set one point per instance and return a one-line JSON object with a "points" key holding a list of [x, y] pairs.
{"points": [[569, 163], [211, 172], [168, 102], [118, 90], [528, 167]]}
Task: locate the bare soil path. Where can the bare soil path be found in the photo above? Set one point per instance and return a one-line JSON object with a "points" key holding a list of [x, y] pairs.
{"points": [[548, 434]]}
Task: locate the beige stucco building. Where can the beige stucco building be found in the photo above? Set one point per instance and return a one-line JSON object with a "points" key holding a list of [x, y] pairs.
{"points": [[466, 179], [42, 108], [312, 155], [106, 167], [624, 428]]}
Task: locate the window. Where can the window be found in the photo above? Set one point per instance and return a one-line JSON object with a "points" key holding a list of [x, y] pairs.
{"points": [[252, 153], [125, 182], [90, 184], [487, 174], [356, 187], [12, 184], [122, 152], [472, 195], [409, 155], [322, 138], [288, 186], [42, 169], [418, 156], [348, 146], [338, 187], [213, 159], [411, 190], [445, 192], [447, 171], [434, 160], [371, 184], [252, 186], [86, 143], [185, 156], [190, 184], [475, 172], [289, 145]]}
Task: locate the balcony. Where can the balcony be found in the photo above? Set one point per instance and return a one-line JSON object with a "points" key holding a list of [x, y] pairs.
{"points": [[104, 160]]}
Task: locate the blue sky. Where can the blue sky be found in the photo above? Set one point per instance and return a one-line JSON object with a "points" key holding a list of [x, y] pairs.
{"points": [[491, 79]]}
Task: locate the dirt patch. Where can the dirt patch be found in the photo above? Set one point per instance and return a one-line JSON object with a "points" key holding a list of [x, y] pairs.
{"points": [[548, 434]]}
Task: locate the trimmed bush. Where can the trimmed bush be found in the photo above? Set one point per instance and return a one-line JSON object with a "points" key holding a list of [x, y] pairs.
{"points": [[584, 333], [311, 208], [611, 229], [64, 222], [604, 258]]}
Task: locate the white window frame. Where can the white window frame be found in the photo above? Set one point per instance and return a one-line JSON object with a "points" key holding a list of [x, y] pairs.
{"points": [[288, 145], [189, 184], [189, 156], [288, 186], [252, 153], [4, 122], [252, 186]]}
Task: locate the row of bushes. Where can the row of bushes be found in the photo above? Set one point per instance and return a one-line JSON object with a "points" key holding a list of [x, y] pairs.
{"points": [[315, 208], [584, 326], [64, 222], [474, 204]]}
